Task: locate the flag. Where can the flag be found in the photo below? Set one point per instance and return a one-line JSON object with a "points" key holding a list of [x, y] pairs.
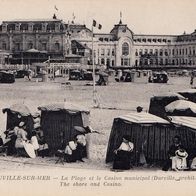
{"points": [[56, 8], [74, 17], [95, 24]]}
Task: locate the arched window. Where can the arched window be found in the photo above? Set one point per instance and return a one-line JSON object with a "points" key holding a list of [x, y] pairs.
{"points": [[57, 46], [108, 63], [125, 49], [103, 61], [136, 63], [4, 46], [136, 53], [30, 46]]}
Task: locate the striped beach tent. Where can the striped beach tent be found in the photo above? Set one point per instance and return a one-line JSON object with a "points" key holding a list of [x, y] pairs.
{"points": [[150, 134], [58, 121]]}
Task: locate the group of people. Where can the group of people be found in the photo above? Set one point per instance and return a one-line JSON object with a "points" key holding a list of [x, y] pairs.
{"points": [[179, 158], [76, 148], [18, 141]]}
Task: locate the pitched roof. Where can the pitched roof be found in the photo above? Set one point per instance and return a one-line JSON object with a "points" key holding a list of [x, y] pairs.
{"points": [[143, 118], [21, 109], [186, 121], [69, 107]]}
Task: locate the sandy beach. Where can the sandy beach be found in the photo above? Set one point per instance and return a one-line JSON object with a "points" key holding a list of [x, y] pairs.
{"points": [[115, 99]]}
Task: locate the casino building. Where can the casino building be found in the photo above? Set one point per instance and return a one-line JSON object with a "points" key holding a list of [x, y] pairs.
{"points": [[29, 41]]}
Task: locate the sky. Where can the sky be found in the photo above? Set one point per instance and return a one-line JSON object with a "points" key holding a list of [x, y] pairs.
{"points": [[142, 16]]}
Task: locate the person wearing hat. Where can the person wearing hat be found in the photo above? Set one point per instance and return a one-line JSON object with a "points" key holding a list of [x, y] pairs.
{"points": [[122, 159], [179, 161], [10, 140], [80, 137], [71, 154], [43, 148], [172, 152], [34, 141], [21, 138], [139, 109]]}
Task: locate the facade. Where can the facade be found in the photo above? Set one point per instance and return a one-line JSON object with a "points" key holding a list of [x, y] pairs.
{"points": [[28, 41]]}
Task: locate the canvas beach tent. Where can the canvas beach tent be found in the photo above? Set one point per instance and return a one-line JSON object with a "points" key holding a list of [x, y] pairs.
{"points": [[190, 94], [181, 108], [17, 113], [159, 101], [186, 126], [150, 134], [58, 121]]}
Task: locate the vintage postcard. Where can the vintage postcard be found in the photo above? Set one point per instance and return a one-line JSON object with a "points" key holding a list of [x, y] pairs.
{"points": [[97, 97]]}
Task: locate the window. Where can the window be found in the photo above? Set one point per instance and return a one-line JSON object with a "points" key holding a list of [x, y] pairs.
{"points": [[190, 52], [136, 53], [146, 51], [108, 63], [156, 52], [103, 61], [113, 52], [146, 61], [102, 52], [17, 46], [125, 49], [108, 52], [136, 63], [57, 46], [112, 62], [166, 52], [140, 52], [186, 51], [44, 46], [126, 62], [161, 52], [4, 47], [30, 45], [151, 51], [161, 61]]}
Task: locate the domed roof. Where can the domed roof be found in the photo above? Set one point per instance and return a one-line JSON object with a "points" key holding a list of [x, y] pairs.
{"points": [[120, 30]]}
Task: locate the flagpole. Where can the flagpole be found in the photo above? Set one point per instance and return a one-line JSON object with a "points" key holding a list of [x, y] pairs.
{"points": [[94, 90]]}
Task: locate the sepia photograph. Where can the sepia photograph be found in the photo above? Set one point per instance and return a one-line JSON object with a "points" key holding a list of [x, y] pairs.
{"points": [[97, 97]]}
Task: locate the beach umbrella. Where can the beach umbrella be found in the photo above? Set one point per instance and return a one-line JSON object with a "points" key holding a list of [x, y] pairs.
{"points": [[80, 129], [181, 108]]}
